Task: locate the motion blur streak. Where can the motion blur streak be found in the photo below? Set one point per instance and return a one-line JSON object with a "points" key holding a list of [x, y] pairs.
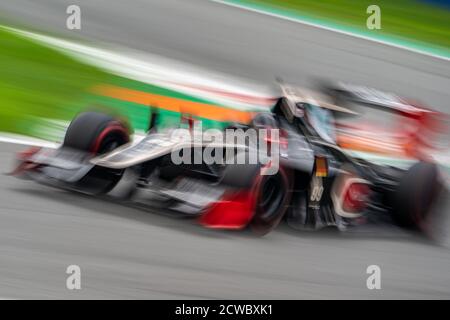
{"points": [[244, 44], [127, 253], [176, 105]]}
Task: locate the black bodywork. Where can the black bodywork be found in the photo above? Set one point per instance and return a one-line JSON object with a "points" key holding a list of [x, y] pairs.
{"points": [[192, 188]]}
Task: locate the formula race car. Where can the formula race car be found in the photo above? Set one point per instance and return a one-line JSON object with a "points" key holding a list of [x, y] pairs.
{"points": [[300, 173]]}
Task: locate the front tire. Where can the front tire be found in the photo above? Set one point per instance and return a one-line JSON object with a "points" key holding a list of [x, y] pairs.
{"points": [[97, 133], [273, 195]]}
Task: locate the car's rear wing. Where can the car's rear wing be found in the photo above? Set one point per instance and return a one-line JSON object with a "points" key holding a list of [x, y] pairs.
{"points": [[372, 98], [428, 129]]}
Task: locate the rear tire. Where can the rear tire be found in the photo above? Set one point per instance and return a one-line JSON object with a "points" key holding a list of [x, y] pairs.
{"points": [[416, 193]]}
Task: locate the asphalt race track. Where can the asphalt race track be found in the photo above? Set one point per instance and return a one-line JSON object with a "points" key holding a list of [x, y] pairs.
{"points": [[126, 252]]}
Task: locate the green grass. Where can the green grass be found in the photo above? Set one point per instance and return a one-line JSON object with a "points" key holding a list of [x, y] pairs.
{"points": [[404, 19], [38, 82]]}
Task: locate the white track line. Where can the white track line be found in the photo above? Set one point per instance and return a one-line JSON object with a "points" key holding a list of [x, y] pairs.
{"points": [[25, 140], [161, 71], [316, 25], [6, 137]]}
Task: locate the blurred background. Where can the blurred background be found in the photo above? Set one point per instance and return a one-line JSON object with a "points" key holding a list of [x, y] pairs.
{"points": [[47, 79], [197, 57]]}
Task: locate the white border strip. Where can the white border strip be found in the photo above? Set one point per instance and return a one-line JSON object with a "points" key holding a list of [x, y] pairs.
{"points": [[25, 140], [160, 71], [316, 25], [12, 138]]}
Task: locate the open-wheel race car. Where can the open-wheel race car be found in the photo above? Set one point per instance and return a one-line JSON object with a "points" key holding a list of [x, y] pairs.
{"points": [[302, 174]]}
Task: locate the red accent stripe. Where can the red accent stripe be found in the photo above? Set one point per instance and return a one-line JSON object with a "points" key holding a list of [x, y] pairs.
{"points": [[110, 128]]}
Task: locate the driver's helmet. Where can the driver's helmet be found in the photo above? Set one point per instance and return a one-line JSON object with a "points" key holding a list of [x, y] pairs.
{"points": [[264, 120], [321, 120]]}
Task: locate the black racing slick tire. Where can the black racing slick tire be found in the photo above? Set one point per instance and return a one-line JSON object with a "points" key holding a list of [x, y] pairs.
{"points": [[415, 196], [273, 195], [86, 130], [273, 192], [97, 133]]}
